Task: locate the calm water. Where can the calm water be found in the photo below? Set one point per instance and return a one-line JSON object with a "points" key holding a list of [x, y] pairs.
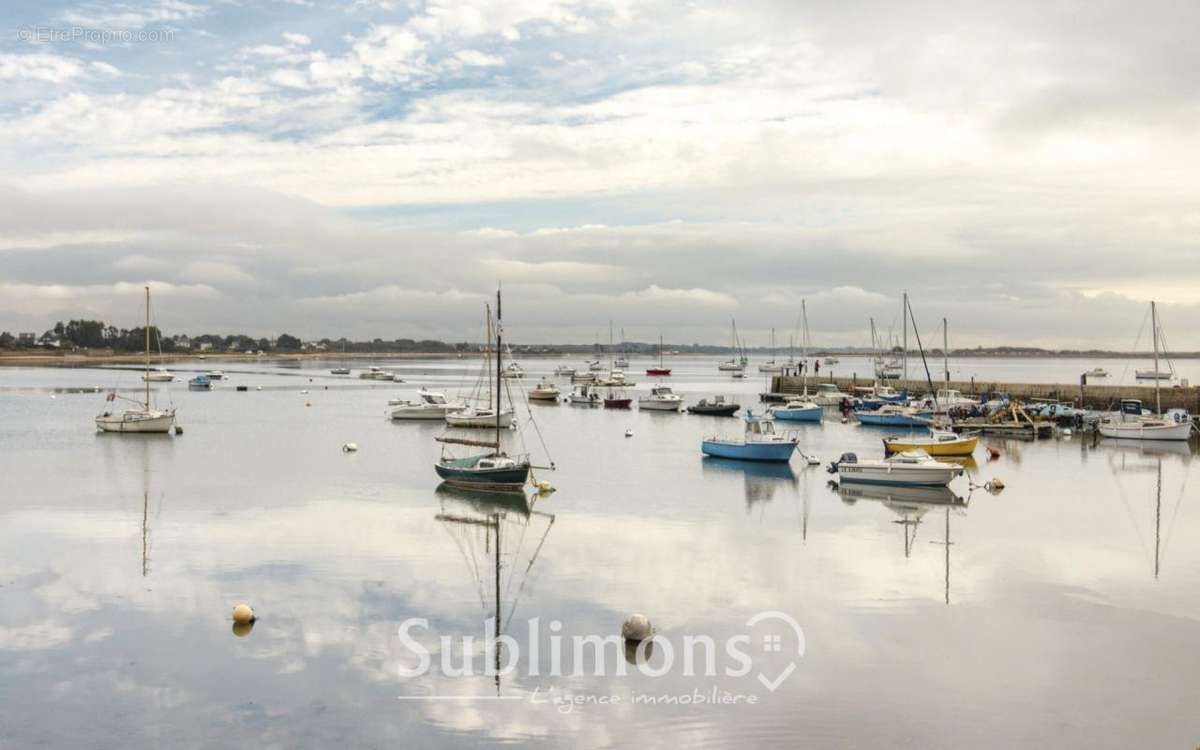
{"points": [[1066, 611]]}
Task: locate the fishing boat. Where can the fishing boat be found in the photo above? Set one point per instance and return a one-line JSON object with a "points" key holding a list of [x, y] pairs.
{"points": [[494, 470], [429, 405], [1097, 372], [158, 375], [340, 371], [759, 442], [544, 391], [798, 410], [659, 371], [200, 383], [143, 418], [718, 407], [911, 468], [617, 400], [661, 398], [936, 443], [583, 395], [894, 415], [1131, 422]]}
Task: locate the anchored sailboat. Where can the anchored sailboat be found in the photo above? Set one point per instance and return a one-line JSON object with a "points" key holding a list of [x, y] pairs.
{"points": [[142, 418], [1130, 421]]}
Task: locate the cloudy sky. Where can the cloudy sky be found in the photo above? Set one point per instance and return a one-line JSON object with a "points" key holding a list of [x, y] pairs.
{"points": [[373, 168]]}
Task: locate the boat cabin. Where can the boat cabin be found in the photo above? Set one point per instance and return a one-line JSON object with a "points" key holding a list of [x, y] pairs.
{"points": [[432, 397], [661, 390]]}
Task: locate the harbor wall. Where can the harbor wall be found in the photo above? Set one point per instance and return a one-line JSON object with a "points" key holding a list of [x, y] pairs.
{"points": [[1091, 396]]}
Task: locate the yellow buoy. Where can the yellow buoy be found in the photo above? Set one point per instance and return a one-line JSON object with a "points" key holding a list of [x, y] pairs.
{"points": [[544, 487], [243, 614]]}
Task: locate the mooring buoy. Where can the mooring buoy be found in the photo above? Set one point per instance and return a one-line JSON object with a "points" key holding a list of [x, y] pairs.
{"points": [[637, 627]]}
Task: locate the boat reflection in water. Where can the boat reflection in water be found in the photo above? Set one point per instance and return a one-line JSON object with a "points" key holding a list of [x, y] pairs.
{"points": [[500, 535], [911, 504], [761, 479]]}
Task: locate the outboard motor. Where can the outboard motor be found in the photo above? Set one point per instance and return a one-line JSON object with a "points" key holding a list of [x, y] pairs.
{"points": [[847, 458]]}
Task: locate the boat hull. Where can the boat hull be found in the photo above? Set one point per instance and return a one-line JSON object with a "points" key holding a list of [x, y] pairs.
{"points": [[812, 414], [724, 410], [405, 413], [480, 421], [776, 452], [656, 405], [890, 420], [960, 447], [1146, 431], [910, 476], [659, 371], [617, 403], [500, 480], [156, 423]]}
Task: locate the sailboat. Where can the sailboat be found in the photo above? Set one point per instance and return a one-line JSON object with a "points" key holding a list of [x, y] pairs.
{"points": [[803, 408], [494, 470], [1130, 421], [143, 418], [771, 365], [622, 362], [733, 364], [660, 370]]}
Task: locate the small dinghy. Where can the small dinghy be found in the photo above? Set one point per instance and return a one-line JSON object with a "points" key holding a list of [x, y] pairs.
{"points": [[937, 443], [718, 407]]}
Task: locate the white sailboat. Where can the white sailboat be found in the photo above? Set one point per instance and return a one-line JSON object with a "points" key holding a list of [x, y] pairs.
{"points": [[733, 363], [771, 366], [1131, 421], [143, 418]]}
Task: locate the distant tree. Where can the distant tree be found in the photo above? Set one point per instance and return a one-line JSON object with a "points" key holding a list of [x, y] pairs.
{"points": [[287, 342], [262, 345], [7, 340]]}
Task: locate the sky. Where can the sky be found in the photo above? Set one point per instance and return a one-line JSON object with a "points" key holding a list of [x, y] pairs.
{"points": [[1027, 170]]}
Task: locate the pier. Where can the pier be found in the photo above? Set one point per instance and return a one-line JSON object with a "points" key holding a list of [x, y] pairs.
{"points": [[1090, 396]]}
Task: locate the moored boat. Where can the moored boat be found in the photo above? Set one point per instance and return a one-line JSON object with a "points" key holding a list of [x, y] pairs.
{"points": [[200, 383], [661, 398], [544, 391], [143, 418], [798, 410], [340, 371], [583, 395], [429, 405], [937, 443], [661, 371], [479, 418], [913, 468], [718, 407], [759, 442], [1132, 422], [617, 400], [158, 375], [894, 415]]}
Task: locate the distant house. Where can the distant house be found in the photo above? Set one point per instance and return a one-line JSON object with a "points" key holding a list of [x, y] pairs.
{"points": [[206, 346], [183, 342], [26, 339]]}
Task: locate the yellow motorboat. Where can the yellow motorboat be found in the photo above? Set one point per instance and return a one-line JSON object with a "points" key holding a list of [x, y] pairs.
{"points": [[937, 443]]}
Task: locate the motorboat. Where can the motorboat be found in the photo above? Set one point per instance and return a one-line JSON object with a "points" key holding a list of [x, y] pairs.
{"points": [[617, 400], [142, 418], [564, 371], [340, 371], [798, 410], [474, 417], [894, 415], [831, 361], [200, 383], [544, 391], [936, 443], [729, 366], [376, 373], [583, 395], [614, 379], [1131, 421], [621, 363], [584, 377], [158, 375], [661, 398], [911, 468], [759, 442], [513, 370], [594, 365], [215, 375], [428, 405], [718, 407], [1153, 374], [1097, 372]]}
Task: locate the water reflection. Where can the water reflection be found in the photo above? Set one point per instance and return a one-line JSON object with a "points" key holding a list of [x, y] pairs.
{"points": [[911, 504], [492, 531], [761, 480]]}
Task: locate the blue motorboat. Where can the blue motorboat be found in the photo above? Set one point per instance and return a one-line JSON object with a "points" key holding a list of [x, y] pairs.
{"points": [[798, 410], [200, 383], [760, 442], [883, 395], [894, 415]]}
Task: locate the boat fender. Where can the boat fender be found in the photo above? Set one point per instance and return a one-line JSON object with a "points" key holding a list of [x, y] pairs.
{"points": [[993, 453], [544, 487], [349, 447], [637, 628], [995, 486]]}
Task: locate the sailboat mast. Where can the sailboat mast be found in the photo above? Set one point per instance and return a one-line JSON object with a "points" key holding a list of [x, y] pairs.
{"points": [[146, 377], [904, 315], [804, 344], [612, 365], [1157, 381], [660, 359], [496, 626], [499, 399], [946, 350]]}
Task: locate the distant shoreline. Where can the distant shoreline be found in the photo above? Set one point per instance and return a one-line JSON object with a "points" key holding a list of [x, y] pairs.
{"points": [[27, 358]]}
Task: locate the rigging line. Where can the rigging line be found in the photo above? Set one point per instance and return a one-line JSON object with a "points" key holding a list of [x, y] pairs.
{"points": [[529, 567], [1136, 343], [1174, 514], [472, 564], [1137, 530]]}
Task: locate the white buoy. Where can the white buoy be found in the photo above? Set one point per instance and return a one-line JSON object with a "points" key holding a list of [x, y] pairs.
{"points": [[629, 432], [243, 614], [1066, 432], [637, 627], [349, 447], [304, 392], [258, 388]]}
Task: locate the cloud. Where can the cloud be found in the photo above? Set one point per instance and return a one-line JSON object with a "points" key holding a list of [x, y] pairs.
{"points": [[39, 67]]}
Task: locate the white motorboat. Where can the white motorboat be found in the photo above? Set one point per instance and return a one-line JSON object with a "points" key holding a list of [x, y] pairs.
{"points": [[831, 360], [661, 398], [478, 418], [913, 468], [215, 375], [1153, 374], [158, 375], [340, 371], [376, 373], [142, 418], [583, 395], [564, 371], [621, 363], [544, 391], [1097, 372], [585, 377], [428, 405], [1133, 422], [729, 366], [513, 370]]}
